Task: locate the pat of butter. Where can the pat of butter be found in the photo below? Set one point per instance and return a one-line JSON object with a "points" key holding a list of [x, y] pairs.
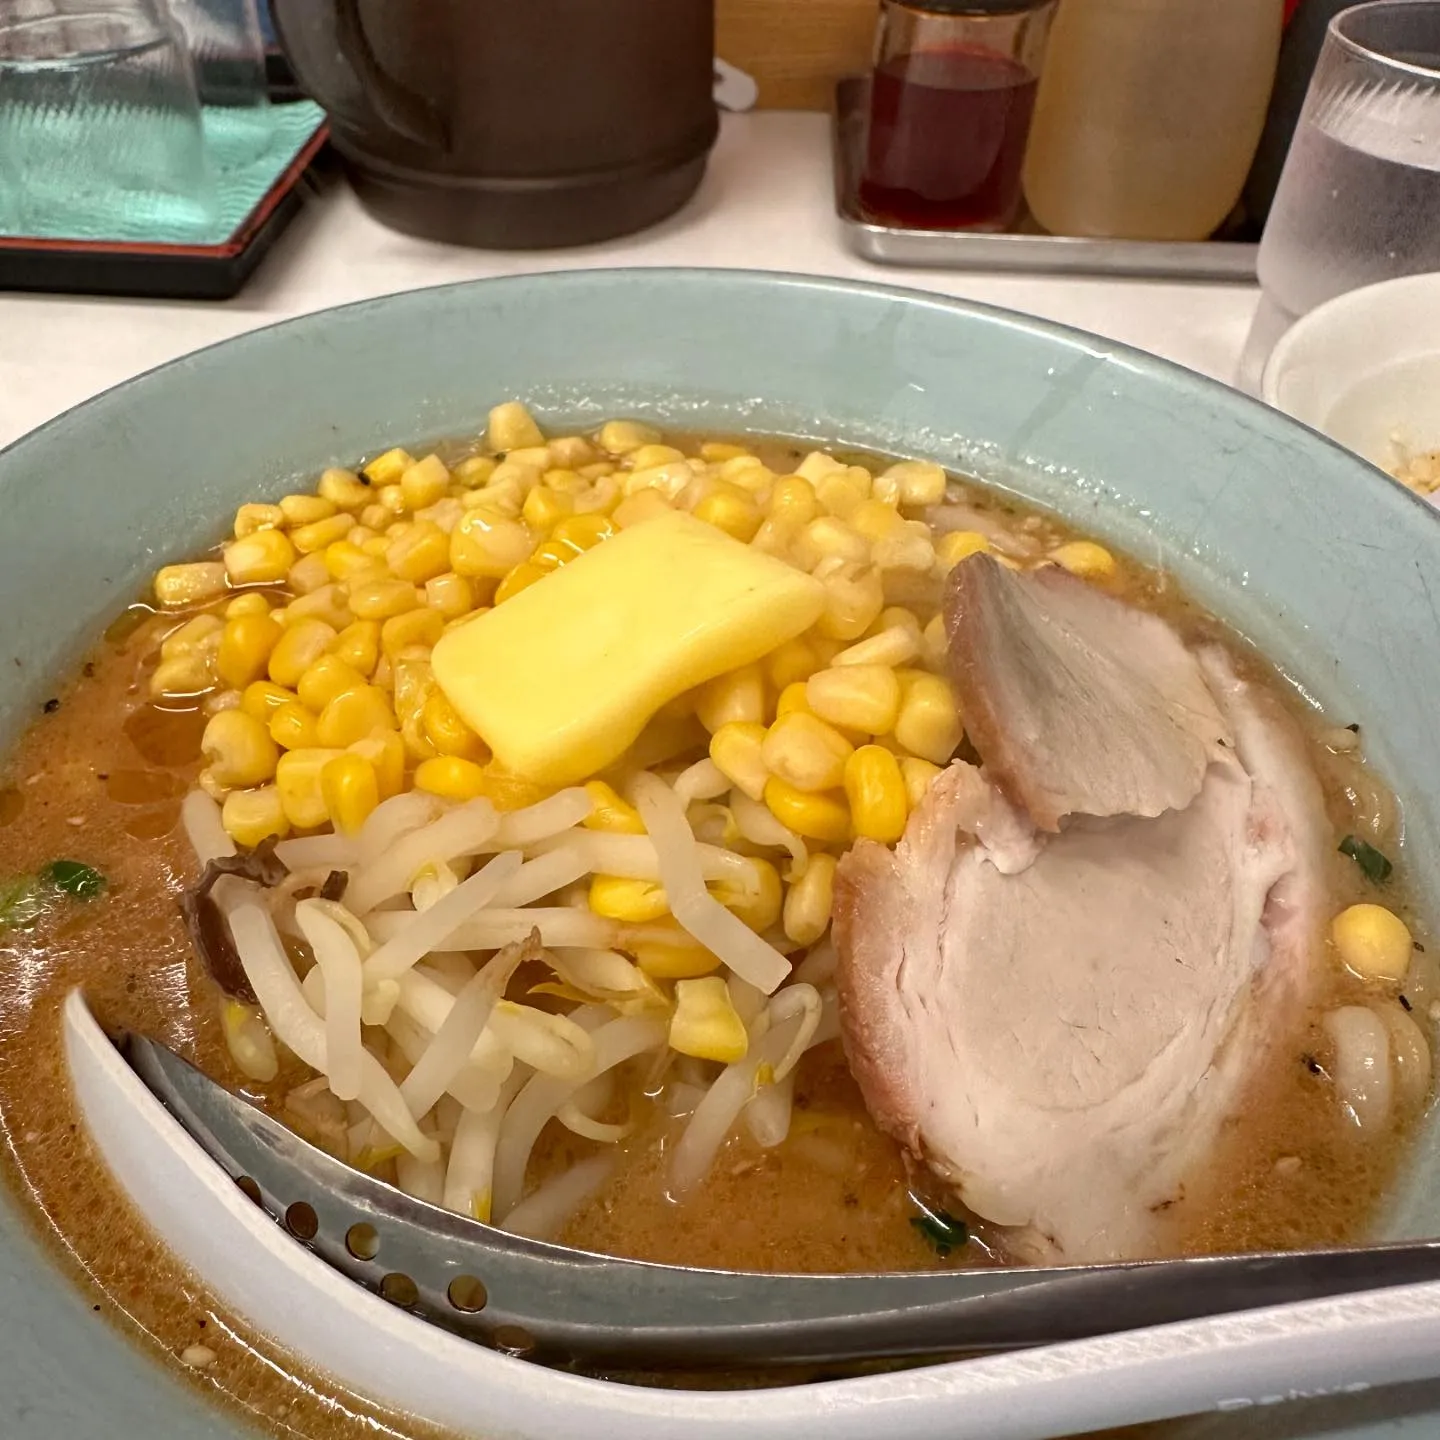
{"points": [[561, 678]]}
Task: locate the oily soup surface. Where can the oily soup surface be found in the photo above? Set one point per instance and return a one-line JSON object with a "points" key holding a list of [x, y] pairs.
{"points": [[100, 777]]}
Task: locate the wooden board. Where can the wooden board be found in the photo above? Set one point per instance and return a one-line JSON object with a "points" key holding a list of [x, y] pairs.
{"points": [[796, 49]]}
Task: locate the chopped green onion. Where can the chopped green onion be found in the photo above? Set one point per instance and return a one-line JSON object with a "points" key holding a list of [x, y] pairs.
{"points": [[944, 1232], [1375, 865], [81, 881], [21, 902]]}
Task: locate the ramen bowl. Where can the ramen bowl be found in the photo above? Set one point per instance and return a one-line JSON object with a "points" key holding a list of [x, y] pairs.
{"points": [[1269, 526]]}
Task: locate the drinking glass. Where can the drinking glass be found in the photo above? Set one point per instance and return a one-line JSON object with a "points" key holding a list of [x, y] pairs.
{"points": [[227, 49], [100, 132], [1359, 197]]}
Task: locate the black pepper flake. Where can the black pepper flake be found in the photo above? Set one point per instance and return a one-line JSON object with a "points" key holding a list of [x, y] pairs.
{"points": [[51, 706], [1418, 946], [1405, 1003], [1312, 1064], [88, 670], [1354, 727]]}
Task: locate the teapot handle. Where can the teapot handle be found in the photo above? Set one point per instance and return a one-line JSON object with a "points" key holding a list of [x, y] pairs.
{"points": [[366, 96]]}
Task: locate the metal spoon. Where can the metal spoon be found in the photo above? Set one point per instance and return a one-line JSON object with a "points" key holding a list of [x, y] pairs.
{"points": [[570, 1307]]}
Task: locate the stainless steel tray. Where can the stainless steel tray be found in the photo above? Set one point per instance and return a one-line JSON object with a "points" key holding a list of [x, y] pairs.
{"points": [[971, 250]]}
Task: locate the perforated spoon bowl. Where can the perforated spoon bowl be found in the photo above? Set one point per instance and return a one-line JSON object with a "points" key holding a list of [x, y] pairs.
{"points": [[571, 1307]]}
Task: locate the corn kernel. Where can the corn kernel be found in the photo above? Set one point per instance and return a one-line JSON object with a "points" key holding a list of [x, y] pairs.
{"points": [[898, 645], [875, 788], [424, 482], [324, 679], [374, 516], [450, 595], [183, 675], [321, 533], [759, 904], [544, 507], [552, 555], [582, 532], [475, 470], [250, 603], [353, 715], [344, 490], [793, 499], [1373, 942], [306, 509], [518, 579], [854, 598], [909, 546], [705, 1023], [451, 778], [309, 573], [736, 751], [842, 493], [717, 452], [570, 452], [735, 698], [349, 790], [1085, 559], [348, 563], [383, 599], [511, 427], [806, 753], [680, 959], [190, 583], [292, 727], [667, 480], [422, 627], [250, 816], [793, 701], [386, 469], [327, 604], [918, 775], [414, 684], [637, 509], [648, 456], [199, 635], [920, 482], [822, 817], [794, 660], [447, 732], [238, 749], [856, 697], [245, 646], [928, 723], [487, 543], [259, 559], [810, 901], [621, 437], [298, 779], [385, 751], [826, 537], [262, 698], [637, 902], [250, 518], [874, 519], [959, 545], [727, 507], [392, 499], [816, 465], [358, 645], [298, 649], [611, 814]]}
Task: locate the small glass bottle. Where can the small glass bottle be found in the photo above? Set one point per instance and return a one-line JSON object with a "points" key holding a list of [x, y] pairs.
{"points": [[950, 104]]}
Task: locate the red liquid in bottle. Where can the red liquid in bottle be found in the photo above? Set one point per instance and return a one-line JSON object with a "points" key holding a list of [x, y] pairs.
{"points": [[947, 139]]}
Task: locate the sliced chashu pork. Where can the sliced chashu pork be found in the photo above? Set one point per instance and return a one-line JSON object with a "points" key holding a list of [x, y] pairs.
{"points": [[1056, 988]]}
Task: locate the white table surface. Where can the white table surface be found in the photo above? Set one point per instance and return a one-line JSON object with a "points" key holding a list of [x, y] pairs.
{"points": [[765, 203]]}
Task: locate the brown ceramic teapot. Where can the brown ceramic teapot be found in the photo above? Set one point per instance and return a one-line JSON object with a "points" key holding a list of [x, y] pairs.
{"points": [[512, 123]]}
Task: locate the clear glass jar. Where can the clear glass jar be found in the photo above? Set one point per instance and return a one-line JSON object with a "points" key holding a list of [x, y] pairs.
{"points": [[951, 98]]}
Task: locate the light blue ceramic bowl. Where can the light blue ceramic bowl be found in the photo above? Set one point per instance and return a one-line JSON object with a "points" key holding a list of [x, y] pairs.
{"points": [[1334, 574]]}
